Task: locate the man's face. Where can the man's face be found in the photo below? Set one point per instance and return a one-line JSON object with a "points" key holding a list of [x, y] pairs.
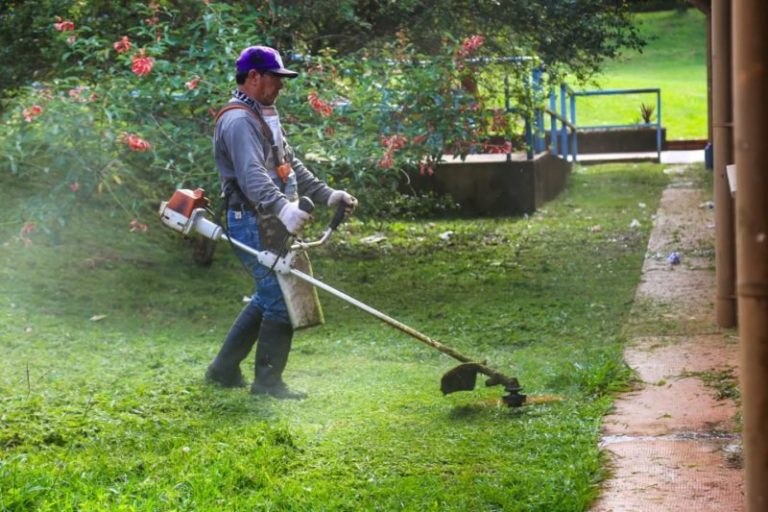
{"points": [[265, 86]]}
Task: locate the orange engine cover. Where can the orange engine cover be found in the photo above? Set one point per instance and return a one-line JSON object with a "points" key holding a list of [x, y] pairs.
{"points": [[185, 201]]}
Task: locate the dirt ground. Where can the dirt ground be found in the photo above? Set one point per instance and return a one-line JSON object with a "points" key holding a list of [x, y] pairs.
{"points": [[673, 442]]}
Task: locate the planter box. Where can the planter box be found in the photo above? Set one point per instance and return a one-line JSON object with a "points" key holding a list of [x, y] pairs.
{"points": [[489, 185], [622, 140], [619, 140]]}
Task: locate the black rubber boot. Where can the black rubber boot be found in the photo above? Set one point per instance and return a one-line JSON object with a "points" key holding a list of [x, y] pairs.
{"points": [[271, 357], [225, 369]]}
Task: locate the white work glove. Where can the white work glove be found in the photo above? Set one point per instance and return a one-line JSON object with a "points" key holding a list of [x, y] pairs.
{"points": [[293, 218], [339, 196]]}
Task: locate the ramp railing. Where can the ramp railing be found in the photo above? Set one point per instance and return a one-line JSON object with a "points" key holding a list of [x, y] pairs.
{"points": [[565, 91]]}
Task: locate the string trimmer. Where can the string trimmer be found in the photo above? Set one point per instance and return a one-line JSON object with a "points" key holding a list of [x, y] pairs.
{"points": [[185, 212]]}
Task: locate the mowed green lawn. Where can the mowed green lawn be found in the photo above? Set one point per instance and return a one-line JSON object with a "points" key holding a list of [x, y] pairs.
{"points": [[674, 61], [105, 335]]}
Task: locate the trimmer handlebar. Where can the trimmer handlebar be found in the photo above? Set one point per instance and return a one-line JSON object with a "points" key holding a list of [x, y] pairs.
{"points": [[306, 204], [338, 216], [185, 212]]}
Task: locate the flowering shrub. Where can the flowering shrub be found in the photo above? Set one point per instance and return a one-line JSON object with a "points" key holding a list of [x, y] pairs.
{"points": [[131, 117]]}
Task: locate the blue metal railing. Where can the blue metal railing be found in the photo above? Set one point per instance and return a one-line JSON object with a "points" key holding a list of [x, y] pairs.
{"points": [[535, 125], [567, 122], [566, 118], [613, 92]]}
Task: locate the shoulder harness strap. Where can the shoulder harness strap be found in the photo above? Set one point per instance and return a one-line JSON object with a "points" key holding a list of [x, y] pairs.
{"points": [[236, 106]]}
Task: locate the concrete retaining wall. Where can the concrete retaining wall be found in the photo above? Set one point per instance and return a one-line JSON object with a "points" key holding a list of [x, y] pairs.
{"points": [[489, 185]]}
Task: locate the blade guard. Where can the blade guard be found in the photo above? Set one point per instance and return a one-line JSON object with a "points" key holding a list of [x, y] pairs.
{"points": [[460, 378]]}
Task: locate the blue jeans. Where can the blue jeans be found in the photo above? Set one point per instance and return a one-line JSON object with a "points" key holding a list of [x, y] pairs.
{"points": [[267, 296]]}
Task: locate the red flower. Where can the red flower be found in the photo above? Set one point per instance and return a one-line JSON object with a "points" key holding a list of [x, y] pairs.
{"points": [[78, 94], [26, 229], [394, 142], [29, 227], [318, 105], [315, 69], [192, 84], [426, 168], [74, 187], [31, 112], [468, 47], [64, 25], [141, 65], [137, 226], [75, 92], [136, 143], [495, 148], [386, 161], [123, 45]]}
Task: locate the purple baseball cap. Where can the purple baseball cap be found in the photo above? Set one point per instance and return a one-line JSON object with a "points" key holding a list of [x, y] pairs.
{"points": [[263, 58]]}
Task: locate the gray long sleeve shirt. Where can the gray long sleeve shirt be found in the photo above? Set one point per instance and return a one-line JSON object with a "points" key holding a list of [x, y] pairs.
{"points": [[242, 152]]}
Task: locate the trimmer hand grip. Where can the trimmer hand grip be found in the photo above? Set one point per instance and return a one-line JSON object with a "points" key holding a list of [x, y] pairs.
{"points": [[306, 204], [338, 217]]}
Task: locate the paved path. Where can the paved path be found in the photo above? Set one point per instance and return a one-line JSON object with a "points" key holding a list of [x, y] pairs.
{"points": [[672, 443], [667, 157]]}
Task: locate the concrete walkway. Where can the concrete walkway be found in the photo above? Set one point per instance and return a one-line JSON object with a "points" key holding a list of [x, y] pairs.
{"points": [[672, 443], [667, 157]]}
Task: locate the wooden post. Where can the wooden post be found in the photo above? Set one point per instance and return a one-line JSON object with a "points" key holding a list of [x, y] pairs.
{"points": [[750, 59], [722, 129]]}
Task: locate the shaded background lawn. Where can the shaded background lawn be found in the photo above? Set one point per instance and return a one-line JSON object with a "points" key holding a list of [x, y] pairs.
{"points": [[674, 60], [105, 335]]}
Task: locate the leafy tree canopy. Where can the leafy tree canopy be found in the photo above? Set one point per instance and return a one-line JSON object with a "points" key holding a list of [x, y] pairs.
{"points": [[576, 36]]}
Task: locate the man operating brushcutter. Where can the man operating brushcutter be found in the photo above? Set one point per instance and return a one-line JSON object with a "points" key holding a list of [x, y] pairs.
{"points": [[262, 181]]}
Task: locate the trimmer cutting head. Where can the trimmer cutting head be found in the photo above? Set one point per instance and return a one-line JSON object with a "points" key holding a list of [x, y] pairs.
{"points": [[464, 376]]}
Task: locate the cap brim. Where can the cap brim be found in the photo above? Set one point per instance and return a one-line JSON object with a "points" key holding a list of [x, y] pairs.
{"points": [[287, 73]]}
